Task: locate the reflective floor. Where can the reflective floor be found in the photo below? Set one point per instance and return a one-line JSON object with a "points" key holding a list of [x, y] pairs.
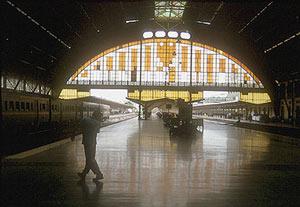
{"points": [[144, 166]]}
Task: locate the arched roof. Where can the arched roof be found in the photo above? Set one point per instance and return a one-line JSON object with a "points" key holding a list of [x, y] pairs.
{"points": [[175, 60], [36, 35]]}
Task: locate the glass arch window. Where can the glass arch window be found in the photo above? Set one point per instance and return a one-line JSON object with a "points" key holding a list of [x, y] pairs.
{"points": [[165, 61]]}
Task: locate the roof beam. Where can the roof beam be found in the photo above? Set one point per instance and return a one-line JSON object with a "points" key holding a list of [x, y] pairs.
{"points": [[38, 24], [282, 42], [256, 16]]}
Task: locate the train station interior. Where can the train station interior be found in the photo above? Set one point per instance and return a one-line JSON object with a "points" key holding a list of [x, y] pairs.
{"points": [[150, 103]]}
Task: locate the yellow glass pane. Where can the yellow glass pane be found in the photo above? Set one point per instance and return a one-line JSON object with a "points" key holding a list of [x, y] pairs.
{"points": [[84, 74], [148, 58], [255, 98], [133, 59], [122, 61], [198, 61], [166, 51], [109, 63], [210, 61], [147, 95], [234, 68], [222, 65], [73, 93], [172, 74], [184, 58], [246, 77]]}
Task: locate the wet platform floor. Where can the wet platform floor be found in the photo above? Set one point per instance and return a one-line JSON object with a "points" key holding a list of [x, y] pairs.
{"points": [[144, 166]]}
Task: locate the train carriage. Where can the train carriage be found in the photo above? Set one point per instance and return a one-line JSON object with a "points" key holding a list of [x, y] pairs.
{"points": [[25, 115]]}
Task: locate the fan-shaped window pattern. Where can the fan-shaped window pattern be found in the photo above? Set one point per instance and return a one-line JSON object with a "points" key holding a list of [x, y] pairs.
{"points": [[163, 61]]}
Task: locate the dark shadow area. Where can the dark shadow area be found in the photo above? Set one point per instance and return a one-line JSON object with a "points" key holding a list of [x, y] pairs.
{"points": [[90, 193]]}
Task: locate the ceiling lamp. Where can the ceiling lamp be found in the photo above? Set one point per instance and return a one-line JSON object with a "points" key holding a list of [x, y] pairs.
{"points": [[131, 21], [160, 34], [203, 22], [148, 34], [185, 35], [172, 34]]}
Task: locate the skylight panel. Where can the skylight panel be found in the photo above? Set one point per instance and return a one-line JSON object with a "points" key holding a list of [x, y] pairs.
{"points": [[169, 10]]}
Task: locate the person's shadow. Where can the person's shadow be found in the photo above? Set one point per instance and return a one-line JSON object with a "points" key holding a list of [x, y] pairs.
{"points": [[184, 144], [87, 194]]}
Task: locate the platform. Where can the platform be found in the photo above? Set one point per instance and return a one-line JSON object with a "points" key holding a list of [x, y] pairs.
{"points": [[144, 166], [290, 132]]}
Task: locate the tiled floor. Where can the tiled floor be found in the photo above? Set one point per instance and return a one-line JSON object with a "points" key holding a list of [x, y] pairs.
{"points": [[144, 166]]}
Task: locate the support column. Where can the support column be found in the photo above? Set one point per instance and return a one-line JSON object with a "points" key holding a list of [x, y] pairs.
{"points": [[139, 105], [140, 83]]}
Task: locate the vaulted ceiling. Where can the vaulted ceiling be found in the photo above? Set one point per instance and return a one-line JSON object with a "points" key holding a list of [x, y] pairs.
{"points": [[46, 40]]}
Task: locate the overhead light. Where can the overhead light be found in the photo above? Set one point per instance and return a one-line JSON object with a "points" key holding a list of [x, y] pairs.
{"points": [[203, 22], [131, 21], [148, 34], [160, 34], [185, 35], [172, 34]]}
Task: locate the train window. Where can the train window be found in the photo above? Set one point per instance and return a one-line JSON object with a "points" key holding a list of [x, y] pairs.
{"points": [[31, 106], [22, 106], [27, 106], [11, 106], [55, 107], [17, 105], [44, 107], [40, 106]]}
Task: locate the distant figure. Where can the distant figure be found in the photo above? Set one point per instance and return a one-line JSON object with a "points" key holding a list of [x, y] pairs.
{"points": [[90, 128]]}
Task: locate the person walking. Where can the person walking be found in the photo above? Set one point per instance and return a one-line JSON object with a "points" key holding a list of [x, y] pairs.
{"points": [[90, 128]]}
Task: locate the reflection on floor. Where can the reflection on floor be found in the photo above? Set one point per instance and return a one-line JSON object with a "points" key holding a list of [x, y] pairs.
{"points": [[144, 166]]}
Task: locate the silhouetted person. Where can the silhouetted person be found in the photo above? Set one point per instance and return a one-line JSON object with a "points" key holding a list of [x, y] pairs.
{"points": [[90, 128]]}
